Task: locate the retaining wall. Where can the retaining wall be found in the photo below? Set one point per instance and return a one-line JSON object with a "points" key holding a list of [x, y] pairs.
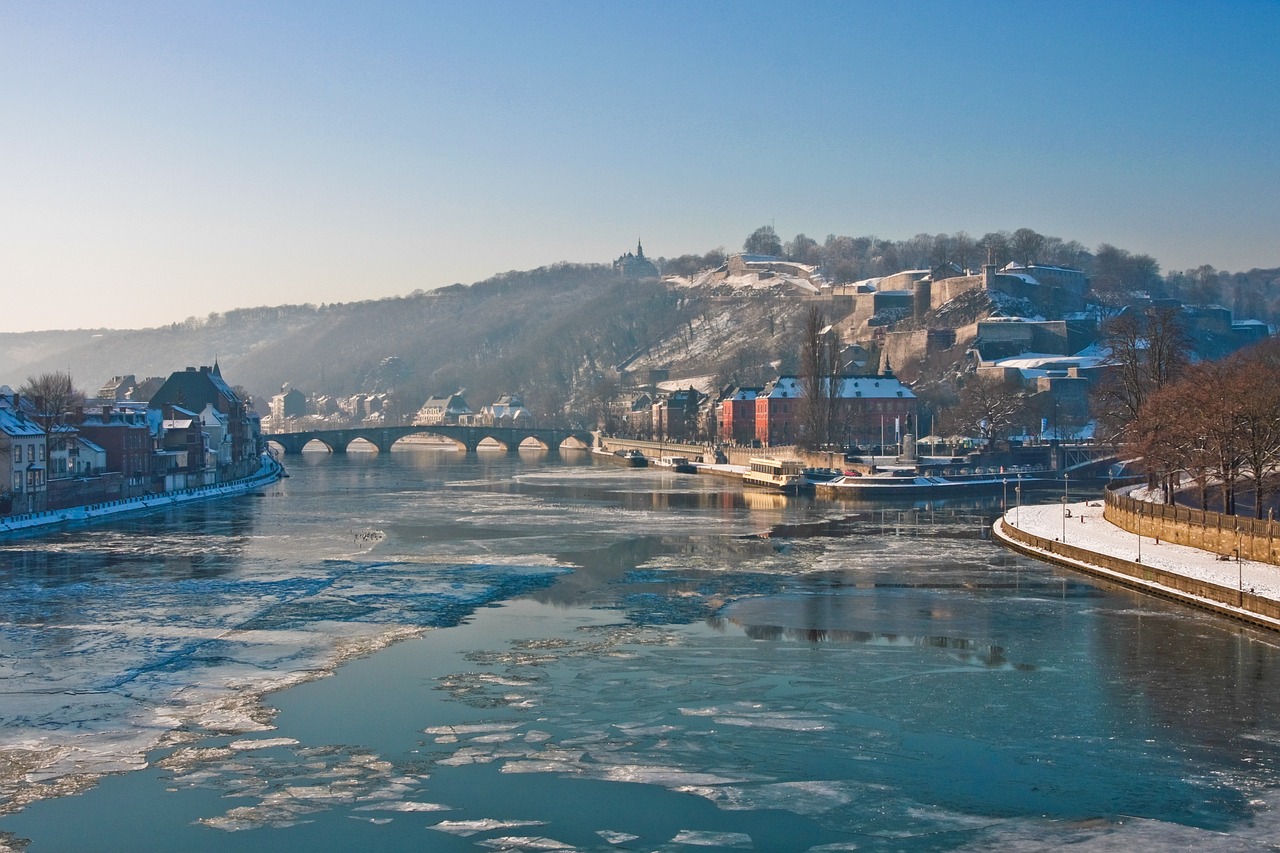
{"points": [[1227, 535], [1236, 603]]}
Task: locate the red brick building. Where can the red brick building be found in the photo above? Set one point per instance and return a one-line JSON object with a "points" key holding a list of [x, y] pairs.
{"points": [[738, 415], [867, 409]]}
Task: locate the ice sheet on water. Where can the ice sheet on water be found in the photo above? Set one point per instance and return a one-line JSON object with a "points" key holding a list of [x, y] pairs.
{"points": [[699, 838], [148, 656], [466, 828], [402, 806], [263, 743], [524, 842], [615, 837], [806, 798]]}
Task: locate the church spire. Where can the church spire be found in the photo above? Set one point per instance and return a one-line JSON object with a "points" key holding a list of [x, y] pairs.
{"points": [[639, 249]]}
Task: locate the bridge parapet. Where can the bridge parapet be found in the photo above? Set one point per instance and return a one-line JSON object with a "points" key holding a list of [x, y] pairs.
{"points": [[466, 437]]}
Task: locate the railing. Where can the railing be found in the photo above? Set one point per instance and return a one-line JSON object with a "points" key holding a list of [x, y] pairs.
{"points": [[1235, 536]]}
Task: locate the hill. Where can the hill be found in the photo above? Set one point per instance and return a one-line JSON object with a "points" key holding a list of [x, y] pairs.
{"points": [[554, 334]]}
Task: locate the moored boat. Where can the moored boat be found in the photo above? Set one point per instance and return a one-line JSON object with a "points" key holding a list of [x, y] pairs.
{"points": [[679, 464], [782, 475], [903, 484], [631, 458]]}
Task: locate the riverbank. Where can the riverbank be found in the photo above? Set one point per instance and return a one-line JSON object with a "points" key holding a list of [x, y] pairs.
{"points": [[1079, 537], [36, 522]]}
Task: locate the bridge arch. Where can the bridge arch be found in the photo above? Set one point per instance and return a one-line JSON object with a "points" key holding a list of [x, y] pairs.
{"points": [[467, 438], [443, 439]]}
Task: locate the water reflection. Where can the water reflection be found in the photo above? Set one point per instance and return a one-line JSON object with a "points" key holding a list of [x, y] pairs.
{"points": [[716, 665]]}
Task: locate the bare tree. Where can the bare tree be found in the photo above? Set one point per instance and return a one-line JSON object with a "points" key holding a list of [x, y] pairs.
{"points": [[988, 405], [763, 241], [1255, 383], [963, 250], [1148, 349], [804, 250], [1026, 246], [54, 396], [819, 380]]}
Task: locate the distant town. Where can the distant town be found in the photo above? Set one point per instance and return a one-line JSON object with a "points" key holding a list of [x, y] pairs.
{"points": [[778, 346], [186, 431]]}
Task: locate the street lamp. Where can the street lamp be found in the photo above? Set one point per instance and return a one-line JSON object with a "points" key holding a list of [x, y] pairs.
{"points": [[1239, 568], [1065, 477], [1004, 497], [1140, 533], [1018, 491]]}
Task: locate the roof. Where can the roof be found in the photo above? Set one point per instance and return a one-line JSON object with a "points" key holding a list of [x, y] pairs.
{"points": [[194, 388], [1038, 361], [16, 425], [867, 387]]}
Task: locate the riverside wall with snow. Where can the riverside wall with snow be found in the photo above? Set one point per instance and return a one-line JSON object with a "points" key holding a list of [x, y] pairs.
{"points": [[37, 522], [1227, 535], [1244, 590]]}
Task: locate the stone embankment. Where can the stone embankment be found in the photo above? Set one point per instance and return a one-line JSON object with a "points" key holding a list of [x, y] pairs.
{"points": [[38, 522], [1079, 536]]}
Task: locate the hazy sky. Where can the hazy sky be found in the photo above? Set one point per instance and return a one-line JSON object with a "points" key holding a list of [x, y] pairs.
{"points": [[169, 159]]}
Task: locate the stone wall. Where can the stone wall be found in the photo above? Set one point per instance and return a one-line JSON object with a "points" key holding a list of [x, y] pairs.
{"points": [[942, 292], [80, 491], [1227, 535]]}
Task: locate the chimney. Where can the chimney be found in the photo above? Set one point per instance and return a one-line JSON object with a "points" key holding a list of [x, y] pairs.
{"points": [[16, 400], [106, 413]]}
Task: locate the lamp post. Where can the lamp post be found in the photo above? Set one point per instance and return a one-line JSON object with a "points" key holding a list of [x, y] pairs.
{"points": [[1140, 533], [1004, 496], [1239, 569], [1065, 477], [1018, 491]]}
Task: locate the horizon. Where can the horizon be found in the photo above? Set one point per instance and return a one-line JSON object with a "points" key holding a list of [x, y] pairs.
{"points": [[175, 161]]}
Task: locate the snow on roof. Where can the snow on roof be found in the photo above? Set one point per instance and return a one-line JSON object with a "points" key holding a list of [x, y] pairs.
{"points": [[1040, 361], [12, 424], [872, 387]]}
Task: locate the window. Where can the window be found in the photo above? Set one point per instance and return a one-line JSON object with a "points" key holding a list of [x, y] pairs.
{"points": [[17, 481], [41, 452], [17, 454]]}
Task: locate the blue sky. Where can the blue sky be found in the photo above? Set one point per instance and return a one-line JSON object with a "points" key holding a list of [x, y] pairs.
{"points": [[160, 160]]}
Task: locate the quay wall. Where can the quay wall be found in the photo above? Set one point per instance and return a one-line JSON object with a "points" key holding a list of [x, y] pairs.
{"points": [[1235, 603], [1226, 535]]}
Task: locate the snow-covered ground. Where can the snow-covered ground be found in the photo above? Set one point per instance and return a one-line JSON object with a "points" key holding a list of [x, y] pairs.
{"points": [[1086, 528]]}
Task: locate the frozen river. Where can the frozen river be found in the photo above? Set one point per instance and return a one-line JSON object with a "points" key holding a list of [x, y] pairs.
{"points": [[428, 651]]}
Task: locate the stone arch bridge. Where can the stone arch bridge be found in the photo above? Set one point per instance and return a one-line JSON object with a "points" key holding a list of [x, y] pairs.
{"points": [[465, 437]]}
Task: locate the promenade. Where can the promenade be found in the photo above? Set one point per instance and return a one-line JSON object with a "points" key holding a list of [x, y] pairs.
{"points": [[1085, 541]]}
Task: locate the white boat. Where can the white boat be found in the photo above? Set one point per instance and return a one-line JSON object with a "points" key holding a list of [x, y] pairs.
{"points": [[782, 475], [679, 464], [902, 484]]}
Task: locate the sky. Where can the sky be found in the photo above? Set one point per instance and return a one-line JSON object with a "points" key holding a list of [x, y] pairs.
{"points": [[164, 160]]}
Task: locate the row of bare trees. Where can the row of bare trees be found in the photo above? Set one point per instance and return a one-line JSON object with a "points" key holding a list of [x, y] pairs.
{"points": [[1219, 425]]}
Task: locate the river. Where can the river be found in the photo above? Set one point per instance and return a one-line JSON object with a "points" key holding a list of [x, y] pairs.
{"points": [[425, 650]]}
